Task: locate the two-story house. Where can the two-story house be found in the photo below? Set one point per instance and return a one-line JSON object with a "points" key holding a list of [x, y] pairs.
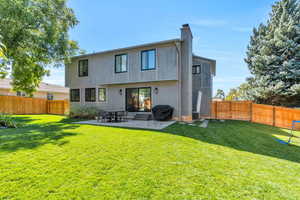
{"points": [[139, 77]]}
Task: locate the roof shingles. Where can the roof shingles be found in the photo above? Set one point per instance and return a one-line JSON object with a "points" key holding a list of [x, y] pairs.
{"points": [[44, 87]]}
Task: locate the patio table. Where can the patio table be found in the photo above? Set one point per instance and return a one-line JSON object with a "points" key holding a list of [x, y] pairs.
{"points": [[115, 114]]}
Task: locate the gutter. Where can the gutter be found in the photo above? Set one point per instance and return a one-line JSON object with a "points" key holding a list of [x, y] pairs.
{"points": [[128, 48], [178, 50]]}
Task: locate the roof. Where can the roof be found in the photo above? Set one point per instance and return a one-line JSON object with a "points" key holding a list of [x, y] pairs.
{"points": [[130, 47], [213, 67], [44, 87]]}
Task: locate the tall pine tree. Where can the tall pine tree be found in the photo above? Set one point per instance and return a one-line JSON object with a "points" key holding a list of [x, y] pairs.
{"points": [[273, 56]]}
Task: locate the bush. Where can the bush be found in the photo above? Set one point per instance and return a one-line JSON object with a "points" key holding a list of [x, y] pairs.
{"points": [[8, 122], [84, 111]]}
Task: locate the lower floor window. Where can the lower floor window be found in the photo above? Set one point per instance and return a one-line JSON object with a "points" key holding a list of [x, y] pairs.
{"points": [[102, 94], [21, 94], [50, 96], [90, 94], [138, 99], [75, 95]]}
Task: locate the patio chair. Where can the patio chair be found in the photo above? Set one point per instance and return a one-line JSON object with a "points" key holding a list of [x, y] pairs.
{"points": [[103, 116]]}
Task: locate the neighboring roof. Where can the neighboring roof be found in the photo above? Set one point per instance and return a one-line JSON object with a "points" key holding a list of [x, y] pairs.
{"points": [[131, 47], [44, 87]]}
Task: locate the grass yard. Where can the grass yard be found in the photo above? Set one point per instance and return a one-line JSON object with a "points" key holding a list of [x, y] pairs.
{"points": [[51, 158]]}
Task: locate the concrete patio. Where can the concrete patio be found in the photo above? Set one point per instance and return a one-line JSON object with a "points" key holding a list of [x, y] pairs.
{"points": [[155, 125]]}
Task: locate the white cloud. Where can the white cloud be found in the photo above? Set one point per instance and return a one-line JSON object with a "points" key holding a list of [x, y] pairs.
{"points": [[209, 22], [220, 23], [236, 79], [242, 29]]}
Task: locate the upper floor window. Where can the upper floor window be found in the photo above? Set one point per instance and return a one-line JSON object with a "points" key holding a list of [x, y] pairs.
{"points": [[102, 94], [197, 69], [50, 96], [121, 63], [149, 59], [75, 95], [83, 68], [90, 94]]}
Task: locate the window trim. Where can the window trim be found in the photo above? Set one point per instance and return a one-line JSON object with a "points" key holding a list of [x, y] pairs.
{"points": [[122, 54], [86, 95], [105, 95], [71, 95], [155, 54], [87, 68]]}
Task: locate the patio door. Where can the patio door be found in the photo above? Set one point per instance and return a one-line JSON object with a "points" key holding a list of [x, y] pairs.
{"points": [[138, 99]]}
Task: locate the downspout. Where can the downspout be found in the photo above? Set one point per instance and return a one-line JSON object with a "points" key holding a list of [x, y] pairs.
{"points": [[178, 50]]}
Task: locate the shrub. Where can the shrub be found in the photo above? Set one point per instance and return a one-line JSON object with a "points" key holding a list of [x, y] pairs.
{"points": [[84, 111], [8, 122]]}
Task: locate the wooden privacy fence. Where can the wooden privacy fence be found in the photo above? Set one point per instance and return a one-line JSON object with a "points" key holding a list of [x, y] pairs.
{"points": [[23, 105], [258, 113]]}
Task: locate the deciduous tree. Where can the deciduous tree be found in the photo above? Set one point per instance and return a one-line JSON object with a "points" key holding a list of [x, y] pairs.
{"points": [[35, 34]]}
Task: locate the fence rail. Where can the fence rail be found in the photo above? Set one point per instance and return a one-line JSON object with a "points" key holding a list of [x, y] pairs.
{"points": [[258, 113], [24, 105]]}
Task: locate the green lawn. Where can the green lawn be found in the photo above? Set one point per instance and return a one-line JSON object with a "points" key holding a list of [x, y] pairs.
{"points": [[51, 158]]}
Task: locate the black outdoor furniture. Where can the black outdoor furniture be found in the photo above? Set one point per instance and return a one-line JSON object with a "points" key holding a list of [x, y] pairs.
{"points": [[162, 112], [112, 116], [122, 116], [103, 116]]}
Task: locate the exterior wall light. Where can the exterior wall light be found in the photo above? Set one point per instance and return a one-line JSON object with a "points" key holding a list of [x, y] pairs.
{"points": [[156, 90], [120, 91]]}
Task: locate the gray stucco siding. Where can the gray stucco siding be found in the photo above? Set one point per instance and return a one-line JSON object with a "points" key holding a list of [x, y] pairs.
{"points": [[102, 68], [203, 82], [167, 95]]}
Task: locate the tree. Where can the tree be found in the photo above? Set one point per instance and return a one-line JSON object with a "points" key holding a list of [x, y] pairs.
{"points": [[3, 69], [35, 34], [245, 91], [232, 95], [273, 56], [220, 94]]}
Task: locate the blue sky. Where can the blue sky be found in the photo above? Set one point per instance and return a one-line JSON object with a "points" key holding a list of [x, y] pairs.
{"points": [[221, 29]]}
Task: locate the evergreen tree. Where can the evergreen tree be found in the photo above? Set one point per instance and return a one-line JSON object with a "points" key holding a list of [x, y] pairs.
{"points": [[273, 56]]}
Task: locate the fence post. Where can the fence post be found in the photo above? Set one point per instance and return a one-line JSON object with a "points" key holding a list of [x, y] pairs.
{"points": [[216, 110], [63, 112], [230, 109], [274, 115], [250, 111], [47, 107]]}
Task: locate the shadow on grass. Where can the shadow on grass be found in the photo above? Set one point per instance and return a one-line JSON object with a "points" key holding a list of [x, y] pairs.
{"points": [[243, 136], [34, 135]]}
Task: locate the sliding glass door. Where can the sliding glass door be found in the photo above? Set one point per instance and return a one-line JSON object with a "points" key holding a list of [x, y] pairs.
{"points": [[138, 99]]}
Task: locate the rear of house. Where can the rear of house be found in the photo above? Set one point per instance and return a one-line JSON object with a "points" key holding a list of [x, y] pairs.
{"points": [[140, 77], [44, 91]]}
